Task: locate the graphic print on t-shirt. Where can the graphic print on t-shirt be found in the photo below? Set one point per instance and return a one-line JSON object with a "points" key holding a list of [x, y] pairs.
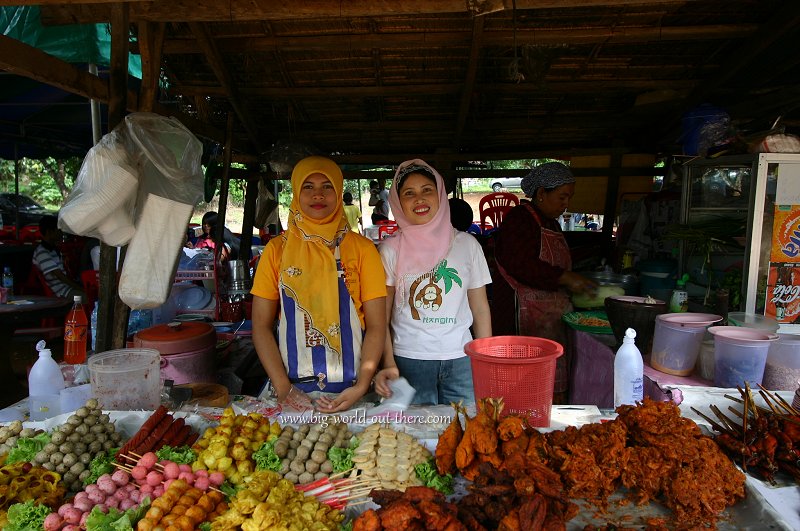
{"points": [[425, 291]]}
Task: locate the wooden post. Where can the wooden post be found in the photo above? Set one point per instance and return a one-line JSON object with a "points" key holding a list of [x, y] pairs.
{"points": [[112, 313], [224, 184], [610, 209], [250, 196]]}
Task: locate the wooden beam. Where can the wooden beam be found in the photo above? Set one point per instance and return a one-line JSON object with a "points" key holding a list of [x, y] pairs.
{"points": [[24, 60], [469, 80], [151, 42], [83, 12], [220, 69], [417, 40]]}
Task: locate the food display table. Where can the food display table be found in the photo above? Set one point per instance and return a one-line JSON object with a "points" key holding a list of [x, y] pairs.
{"points": [[778, 506]]}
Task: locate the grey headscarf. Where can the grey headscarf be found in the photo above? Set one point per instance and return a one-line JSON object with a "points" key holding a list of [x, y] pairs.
{"points": [[547, 175]]}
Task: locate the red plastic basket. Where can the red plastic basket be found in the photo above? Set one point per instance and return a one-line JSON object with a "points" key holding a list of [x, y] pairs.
{"points": [[519, 369]]}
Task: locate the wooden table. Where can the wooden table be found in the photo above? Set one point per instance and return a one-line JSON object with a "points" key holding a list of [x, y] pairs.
{"points": [[14, 316]]}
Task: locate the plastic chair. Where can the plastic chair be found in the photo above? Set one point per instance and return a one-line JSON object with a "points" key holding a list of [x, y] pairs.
{"points": [[494, 206], [385, 230], [30, 233], [91, 287], [8, 232]]}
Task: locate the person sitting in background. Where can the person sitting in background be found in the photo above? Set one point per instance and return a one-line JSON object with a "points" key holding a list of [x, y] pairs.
{"points": [[47, 259], [460, 214], [352, 213], [378, 198], [230, 251]]}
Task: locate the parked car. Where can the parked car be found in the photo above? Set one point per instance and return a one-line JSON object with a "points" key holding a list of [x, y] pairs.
{"points": [[29, 210], [511, 182]]}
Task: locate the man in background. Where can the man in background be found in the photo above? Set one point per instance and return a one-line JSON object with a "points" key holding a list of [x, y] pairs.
{"points": [[47, 259]]}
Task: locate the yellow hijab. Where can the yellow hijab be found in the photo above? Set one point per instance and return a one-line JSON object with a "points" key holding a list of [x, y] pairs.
{"points": [[308, 267]]}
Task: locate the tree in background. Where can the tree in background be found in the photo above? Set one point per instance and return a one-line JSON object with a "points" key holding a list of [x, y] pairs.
{"points": [[48, 181]]}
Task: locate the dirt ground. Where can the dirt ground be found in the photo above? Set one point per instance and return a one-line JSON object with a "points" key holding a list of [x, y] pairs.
{"points": [[235, 215]]}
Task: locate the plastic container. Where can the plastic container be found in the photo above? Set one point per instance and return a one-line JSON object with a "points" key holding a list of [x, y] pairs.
{"points": [[628, 372], [753, 320], [126, 379], [782, 370], [519, 369], [76, 333], [705, 360], [45, 383], [8, 280], [188, 350], [740, 355], [676, 341]]}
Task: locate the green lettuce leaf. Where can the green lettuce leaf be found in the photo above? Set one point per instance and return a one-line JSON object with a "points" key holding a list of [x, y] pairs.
{"points": [[342, 458], [429, 475], [266, 458], [27, 448], [26, 516], [183, 455]]}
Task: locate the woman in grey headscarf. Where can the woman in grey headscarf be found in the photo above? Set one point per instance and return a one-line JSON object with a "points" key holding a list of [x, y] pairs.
{"points": [[533, 258]]}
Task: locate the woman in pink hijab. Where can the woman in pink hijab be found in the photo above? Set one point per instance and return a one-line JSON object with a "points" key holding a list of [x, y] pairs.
{"points": [[436, 290]]}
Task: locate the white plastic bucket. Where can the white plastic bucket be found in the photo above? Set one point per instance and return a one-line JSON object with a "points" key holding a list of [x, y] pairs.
{"points": [[126, 379], [675, 347], [740, 355], [782, 370]]}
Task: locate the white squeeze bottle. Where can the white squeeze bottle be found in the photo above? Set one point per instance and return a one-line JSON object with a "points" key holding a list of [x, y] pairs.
{"points": [[45, 383], [628, 372]]}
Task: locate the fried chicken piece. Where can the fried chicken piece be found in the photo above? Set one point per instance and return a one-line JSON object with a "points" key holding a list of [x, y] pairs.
{"points": [[517, 444], [484, 426], [525, 486], [533, 512], [465, 451], [467, 515], [367, 521], [510, 522], [384, 497], [418, 494], [495, 459], [537, 447], [511, 427], [399, 515], [471, 472], [438, 516], [448, 442]]}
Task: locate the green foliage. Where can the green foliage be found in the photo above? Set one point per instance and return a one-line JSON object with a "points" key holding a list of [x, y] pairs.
{"points": [[48, 181]]}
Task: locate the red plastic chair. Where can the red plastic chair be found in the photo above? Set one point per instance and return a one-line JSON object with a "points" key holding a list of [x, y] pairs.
{"points": [[385, 229], [7, 233], [493, 207], [30, 234]]}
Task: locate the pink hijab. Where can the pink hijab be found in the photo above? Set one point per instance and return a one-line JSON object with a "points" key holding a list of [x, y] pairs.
{"points": [[418, 248]]}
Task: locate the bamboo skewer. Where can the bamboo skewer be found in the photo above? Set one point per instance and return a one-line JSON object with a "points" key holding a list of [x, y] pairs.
{"points": [[714, 424]]}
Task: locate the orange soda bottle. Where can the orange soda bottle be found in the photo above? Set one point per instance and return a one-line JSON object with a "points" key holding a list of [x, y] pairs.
{"points": [[76, 329]]}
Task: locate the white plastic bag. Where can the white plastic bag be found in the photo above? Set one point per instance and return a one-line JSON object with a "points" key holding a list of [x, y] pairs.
{"points": [[149, 269]]}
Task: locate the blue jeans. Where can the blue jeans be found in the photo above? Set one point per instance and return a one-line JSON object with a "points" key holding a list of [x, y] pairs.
{"points": [[438, 381]]}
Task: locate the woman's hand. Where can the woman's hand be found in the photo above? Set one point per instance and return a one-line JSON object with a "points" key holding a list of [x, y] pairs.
{"points": [[295, 400], [341, 402], [382, 381]]}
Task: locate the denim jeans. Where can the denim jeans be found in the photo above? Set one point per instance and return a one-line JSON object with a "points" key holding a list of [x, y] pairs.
{"points": [[438, 381]]}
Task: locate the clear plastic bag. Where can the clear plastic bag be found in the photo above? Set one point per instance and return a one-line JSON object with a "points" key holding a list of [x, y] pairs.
{"points": [[145, 154]]}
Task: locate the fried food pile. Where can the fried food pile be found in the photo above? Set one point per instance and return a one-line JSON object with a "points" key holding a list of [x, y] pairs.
{"points": [[649, 449], [417, 508]]}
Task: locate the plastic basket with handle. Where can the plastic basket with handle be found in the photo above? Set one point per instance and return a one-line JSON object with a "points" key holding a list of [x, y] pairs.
{"points": [[519, 369]]}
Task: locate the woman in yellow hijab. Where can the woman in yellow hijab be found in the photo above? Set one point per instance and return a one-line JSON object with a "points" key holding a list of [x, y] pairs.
{"points": [[327, 286]]}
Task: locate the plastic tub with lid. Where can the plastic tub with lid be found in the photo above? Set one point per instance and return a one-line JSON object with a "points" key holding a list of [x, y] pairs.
{"points": [[126, 379], [740, 355], [677, 339], [753, 320], [782, 370], [188, 350]]}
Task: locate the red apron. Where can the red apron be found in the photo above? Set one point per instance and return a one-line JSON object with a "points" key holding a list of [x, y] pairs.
{"points": [[538, 312]]}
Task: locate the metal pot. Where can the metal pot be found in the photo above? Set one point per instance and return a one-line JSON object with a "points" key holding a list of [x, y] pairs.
{"points": [[630, 283]]}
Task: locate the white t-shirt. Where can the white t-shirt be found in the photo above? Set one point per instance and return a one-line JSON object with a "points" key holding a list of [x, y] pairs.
{"points": [[435, 325]]}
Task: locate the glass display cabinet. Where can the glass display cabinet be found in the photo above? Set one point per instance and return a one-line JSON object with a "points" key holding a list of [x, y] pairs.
{"points": [[741, 221]]}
